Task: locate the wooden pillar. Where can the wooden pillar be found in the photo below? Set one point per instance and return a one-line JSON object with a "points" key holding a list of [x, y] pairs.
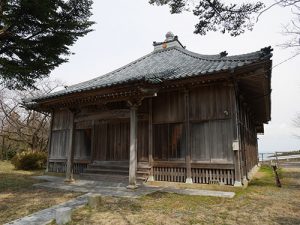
{"points": [[93, 141], [133, 147], [237, 151], [70, 150], [187, 139], [151, 176], [49, 140]]}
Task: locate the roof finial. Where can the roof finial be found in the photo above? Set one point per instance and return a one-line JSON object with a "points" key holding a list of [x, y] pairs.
{"points": [[169, 36]]}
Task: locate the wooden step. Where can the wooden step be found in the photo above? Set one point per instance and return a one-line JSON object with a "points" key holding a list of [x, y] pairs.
{"points": [[105, 177], [143, 172], [105, 171], [117, 167]]}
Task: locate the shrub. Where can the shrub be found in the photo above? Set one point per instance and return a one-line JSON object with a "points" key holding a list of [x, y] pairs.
{"points": [[30, 160], [11, 153], [7, 154]]}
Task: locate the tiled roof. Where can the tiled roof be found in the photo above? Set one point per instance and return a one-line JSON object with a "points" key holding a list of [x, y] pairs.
{"points": [[166, 64]]}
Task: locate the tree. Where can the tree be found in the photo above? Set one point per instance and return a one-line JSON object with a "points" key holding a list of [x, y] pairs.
{"points": [[214, 15], [22, 129], [35, 37], [292, 30]]}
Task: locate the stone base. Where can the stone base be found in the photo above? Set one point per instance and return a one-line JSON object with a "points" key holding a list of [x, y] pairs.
{"points": [[238, 184], [189, 180], [150, 178], [245, 182], [69, 180], [132, 187], [63, 215], [253, 171]]}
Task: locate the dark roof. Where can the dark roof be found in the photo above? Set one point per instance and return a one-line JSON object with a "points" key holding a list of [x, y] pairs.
{"points": [[166, 64]]}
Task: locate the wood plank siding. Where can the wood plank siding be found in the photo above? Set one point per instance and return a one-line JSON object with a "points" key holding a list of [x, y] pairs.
{"points": [[103, 134]]}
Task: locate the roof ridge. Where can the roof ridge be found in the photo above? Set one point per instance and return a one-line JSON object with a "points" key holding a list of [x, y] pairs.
{"points": [[263, 52]]}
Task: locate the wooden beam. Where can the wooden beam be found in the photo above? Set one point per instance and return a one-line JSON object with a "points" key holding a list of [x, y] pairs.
{"points": [[187, 141], [70, 151]]}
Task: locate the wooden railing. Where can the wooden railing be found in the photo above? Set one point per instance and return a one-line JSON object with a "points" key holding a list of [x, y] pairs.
{"points": [[60, 167], [213, 176], [199, 175], [172, 174]]}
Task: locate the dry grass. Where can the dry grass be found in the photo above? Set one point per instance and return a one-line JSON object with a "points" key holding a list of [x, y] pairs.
{"points": [[260, 203], [19, 198]]}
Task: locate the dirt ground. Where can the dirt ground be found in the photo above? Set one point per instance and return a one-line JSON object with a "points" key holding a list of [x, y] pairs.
{"points": [[261, 203], [19, 198]]}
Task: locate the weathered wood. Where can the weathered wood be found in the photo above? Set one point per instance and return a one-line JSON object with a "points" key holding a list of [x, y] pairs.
{"points": [[111, 140], [143, 141], [49, 140], [182, 164], [133, 147], [187, 138], [83, 144], [167, 107], [151, 176], [71, 149], [237, 158]]}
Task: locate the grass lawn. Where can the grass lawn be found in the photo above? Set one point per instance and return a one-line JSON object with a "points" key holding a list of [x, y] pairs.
{"points": [[19, 198], [261, 203]]}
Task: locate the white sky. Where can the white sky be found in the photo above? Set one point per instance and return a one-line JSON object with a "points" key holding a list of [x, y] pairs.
{"points": [[125, 31]]}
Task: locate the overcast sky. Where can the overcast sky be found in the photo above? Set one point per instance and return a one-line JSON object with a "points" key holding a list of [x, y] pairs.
{"points": [[125, 31]]}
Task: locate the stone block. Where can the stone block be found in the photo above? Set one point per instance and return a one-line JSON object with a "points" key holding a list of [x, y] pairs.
{"points": [[63, 215], [94, 200]]}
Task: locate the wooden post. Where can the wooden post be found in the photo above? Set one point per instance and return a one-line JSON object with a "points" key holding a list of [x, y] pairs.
{"points": [[92, 142], [49, 140], [237, 156], [187, 139], [277, 160], [133, 147], [151, 176], [70, 152]]}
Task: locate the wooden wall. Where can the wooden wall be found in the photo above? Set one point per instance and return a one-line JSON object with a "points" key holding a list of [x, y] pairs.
{"points": [[111, 140], [211, 121], [249, 149], [211, 133], [60, 134], [60, 137]]}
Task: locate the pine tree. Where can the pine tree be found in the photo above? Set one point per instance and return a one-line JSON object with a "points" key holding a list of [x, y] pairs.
{"points": [[36, 35]]}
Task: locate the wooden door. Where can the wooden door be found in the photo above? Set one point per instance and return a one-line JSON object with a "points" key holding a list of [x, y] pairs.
{"points": [[111, 140]]}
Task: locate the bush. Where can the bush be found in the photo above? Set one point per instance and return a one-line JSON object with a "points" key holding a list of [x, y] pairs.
{"points": [[10, 154], [30, 160]]}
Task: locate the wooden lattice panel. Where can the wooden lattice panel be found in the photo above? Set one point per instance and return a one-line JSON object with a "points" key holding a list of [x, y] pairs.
{"points": [[172, 174], [60, 167], [213, 176]]}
